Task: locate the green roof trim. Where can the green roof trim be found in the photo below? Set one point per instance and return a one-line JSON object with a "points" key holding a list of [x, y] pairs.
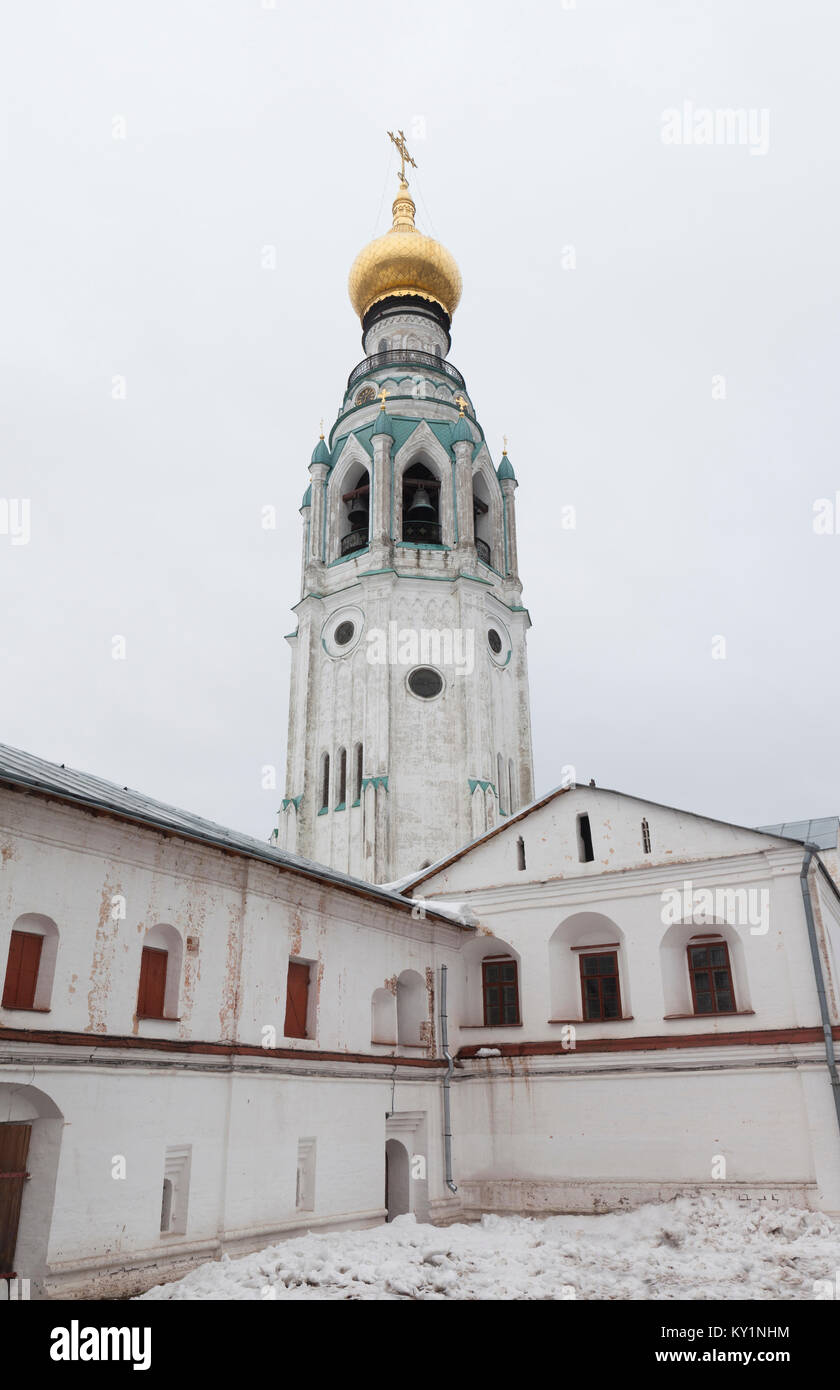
{"points": [[374, 782], [505, 469], [383, 425], [321, 453], [477, 782], [401, 430], [461, 431]]}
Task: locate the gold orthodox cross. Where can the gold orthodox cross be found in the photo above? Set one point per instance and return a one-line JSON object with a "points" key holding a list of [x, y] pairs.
{"points": [[504, 440], [382, 395], [402, 149], [459, 400]]}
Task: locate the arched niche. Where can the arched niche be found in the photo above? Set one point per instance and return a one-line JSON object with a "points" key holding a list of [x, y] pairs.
{"points": [[383, 1018], [36, 924], [164, 937], [481, 950], [412, 1008], [580, 934], [674, 962]]}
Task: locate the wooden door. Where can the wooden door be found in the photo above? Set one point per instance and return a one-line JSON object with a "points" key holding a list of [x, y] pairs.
{"points": [[297, 999], [22, 970], [14, 1147], [152, 992]]}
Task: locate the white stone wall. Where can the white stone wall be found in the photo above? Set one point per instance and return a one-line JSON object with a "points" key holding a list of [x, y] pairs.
{"points": [[643, 1116], [636, 1110]]}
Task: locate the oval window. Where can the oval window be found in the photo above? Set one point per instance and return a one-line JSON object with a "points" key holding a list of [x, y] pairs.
{"points": [[425, 682], [494, 640], [344, 634]]}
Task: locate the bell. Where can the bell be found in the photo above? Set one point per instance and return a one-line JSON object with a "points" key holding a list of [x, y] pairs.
{"points": [[421, 508], [357, 512]]}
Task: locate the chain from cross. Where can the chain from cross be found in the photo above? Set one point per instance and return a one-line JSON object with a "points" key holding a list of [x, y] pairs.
{"points": [[402, 148]]}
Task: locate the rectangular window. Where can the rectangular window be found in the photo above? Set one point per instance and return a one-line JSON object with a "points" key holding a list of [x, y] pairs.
{"points": [[585, 851], [297, 999], [501, 992], [645, 837], [152, 992], [599, 985], [22, 970], [712, 991]]}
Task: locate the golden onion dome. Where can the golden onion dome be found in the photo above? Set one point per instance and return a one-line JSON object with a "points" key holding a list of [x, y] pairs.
{"points": [[404, 262]]}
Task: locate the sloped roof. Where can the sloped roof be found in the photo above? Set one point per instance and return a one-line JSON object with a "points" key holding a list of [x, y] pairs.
{"points": [[26, 772], [822, 831]]}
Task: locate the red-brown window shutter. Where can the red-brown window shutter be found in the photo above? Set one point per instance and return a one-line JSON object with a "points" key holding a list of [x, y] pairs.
{"points": [[152, 992], [297, 999], [22, 970]]}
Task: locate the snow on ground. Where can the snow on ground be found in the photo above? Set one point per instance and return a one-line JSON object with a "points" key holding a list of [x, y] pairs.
{"points": [[690, 1248]]}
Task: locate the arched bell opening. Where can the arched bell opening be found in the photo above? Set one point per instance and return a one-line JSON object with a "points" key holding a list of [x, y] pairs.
{"points": [[355, 512], [482, 521], [421, 506]]}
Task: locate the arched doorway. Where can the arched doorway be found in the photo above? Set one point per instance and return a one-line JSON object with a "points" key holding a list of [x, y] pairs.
{"points": [[396, 1179], [31, 1127]]}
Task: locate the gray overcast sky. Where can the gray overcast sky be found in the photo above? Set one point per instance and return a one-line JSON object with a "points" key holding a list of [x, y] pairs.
{"points": [[247, 127]]}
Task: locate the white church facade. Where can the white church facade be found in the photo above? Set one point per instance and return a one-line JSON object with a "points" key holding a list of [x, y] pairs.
{"points": [[430, 992]]}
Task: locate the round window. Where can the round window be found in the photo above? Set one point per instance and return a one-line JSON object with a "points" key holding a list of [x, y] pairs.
{"points": [[498, 641], [366, 394], [425, 682], [342, 632]]}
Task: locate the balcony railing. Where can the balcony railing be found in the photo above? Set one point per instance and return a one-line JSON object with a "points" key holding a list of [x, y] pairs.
{"points": [[398, 357], [356, 540], [482, 550], [422, 532]]}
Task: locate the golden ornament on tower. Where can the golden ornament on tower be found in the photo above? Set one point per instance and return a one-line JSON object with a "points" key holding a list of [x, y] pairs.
{"points": [[404, 261]]}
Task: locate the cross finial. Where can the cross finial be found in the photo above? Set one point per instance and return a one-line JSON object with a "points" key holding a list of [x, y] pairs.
{"points": [[459, 400], [504, 440], [383, 396], [322, 429], [402, 149]]}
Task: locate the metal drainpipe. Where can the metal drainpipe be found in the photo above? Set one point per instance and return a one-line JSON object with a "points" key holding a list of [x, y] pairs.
{"points": [[831, 1060], [450, 1067]]}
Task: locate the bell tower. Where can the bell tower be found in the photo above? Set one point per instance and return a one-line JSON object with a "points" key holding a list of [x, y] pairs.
{"points": [[409, 717]]}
